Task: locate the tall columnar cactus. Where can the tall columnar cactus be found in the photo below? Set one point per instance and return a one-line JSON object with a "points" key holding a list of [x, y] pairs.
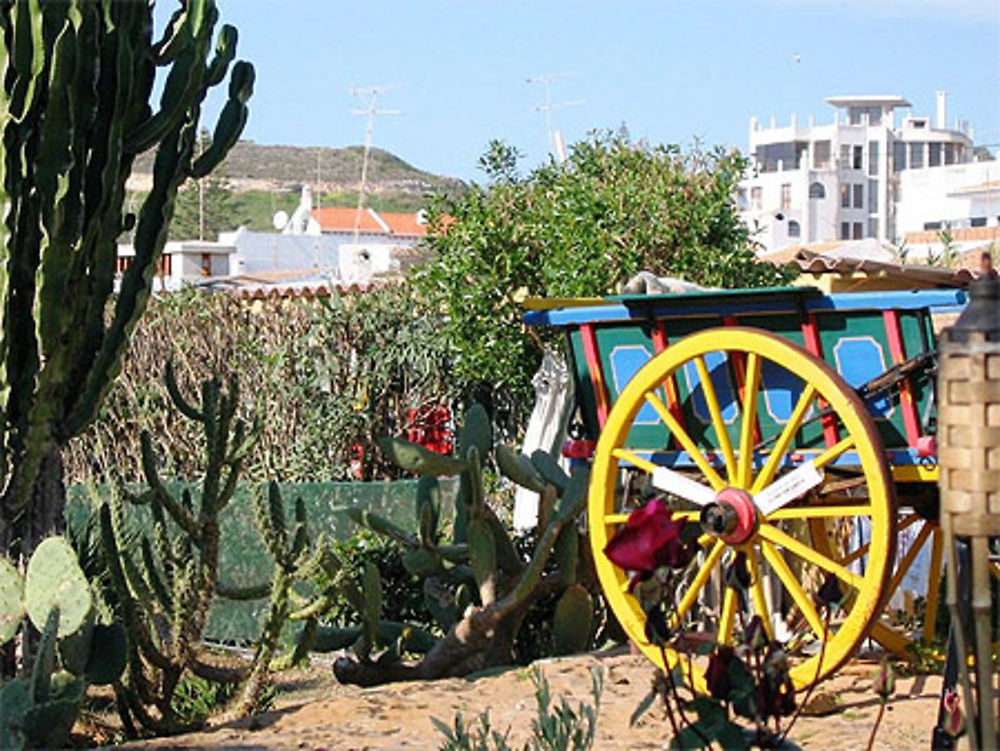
{"points": [[77, 80], [39, 708], [476, 585], [166, 579]]}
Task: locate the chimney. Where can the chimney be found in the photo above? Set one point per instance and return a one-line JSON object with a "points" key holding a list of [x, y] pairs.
{"points": [[941, 121]]}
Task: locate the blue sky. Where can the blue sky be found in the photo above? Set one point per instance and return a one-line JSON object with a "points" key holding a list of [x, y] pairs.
{"points": [[670, 71]]}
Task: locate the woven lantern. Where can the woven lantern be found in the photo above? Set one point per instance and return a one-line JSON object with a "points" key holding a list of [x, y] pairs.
{"points": [[968, 400]]}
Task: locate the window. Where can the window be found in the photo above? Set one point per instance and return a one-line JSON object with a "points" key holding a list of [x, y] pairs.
{"points": [[821, 154], [845, 156], [794, 230], [873, 196], [873, 158], [756, 198], [859, 196], [845, 196], [934, 155], [949, 153], [206, 264], [857, 231], [932, 225], [816, 190], [899, 156], [786, 196], [741, 199], [917, 155], [845, 230], [873, 227], [977, 221], [857, 157]]}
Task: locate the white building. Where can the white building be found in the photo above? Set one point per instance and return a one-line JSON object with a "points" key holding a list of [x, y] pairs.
{"points": [[871, 173], [184, 263]]}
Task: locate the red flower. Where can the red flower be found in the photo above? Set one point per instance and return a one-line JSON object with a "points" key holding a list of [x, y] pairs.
{"points": [[650, 539], [717, 678], [954, 723]]}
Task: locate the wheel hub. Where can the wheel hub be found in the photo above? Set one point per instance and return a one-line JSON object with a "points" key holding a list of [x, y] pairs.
{"points": [[732, 516]]}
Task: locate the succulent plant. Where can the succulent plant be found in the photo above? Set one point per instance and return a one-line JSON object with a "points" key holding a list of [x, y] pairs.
{"points": [[78, 78], [39, 710], [476, 586]]}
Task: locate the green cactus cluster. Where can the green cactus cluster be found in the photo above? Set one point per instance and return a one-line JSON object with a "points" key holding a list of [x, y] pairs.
{"points": [[165, 579], [75, 649], [78, 76], [473, 578]]}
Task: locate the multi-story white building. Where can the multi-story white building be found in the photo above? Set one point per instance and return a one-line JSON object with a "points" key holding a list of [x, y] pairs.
{"points": [[872, 172]]}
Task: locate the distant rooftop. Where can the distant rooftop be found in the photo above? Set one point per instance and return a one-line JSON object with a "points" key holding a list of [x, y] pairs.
{"points": [[868, 100]]}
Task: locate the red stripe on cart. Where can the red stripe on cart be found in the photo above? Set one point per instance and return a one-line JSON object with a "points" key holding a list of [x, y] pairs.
{"points": [[593, 357], [660, 343], [897, 349], [810, 332], [740, 370]]}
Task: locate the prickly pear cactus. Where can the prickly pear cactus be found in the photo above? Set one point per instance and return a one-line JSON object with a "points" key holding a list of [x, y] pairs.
{"points": [[478, 587], [54, 581], [11, 600]]}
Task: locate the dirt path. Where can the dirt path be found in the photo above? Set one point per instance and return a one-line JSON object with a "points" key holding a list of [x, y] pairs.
{"points": [[320, 714]]}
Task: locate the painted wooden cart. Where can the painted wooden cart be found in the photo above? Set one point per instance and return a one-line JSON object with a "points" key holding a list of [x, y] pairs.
{"points": [[797, 427]]}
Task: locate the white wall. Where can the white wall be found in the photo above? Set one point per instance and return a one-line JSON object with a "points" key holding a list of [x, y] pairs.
{"points": [[940, 194]]}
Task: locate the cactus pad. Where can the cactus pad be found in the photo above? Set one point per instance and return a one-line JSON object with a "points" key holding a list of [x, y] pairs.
{"points": [[571, 624], [11, 600], [476, 431], [519, 469], [415, 458], [54, 580], [549, 469]]}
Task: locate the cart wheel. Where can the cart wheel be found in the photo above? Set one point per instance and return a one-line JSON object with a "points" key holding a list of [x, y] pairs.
{"points": [[893, 637], [782, 480]]}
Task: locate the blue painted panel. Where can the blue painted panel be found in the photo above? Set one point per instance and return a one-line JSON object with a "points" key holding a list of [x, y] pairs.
{"points": [[860, 359], [782, 390], [718, 371], [626, 361]]}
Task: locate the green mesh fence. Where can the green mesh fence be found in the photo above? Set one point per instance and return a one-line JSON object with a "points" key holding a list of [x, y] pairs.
{"points": [[243, 559]]}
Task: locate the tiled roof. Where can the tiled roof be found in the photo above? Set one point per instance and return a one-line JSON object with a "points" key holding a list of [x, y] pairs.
{"points": [[935, 276], [292, 283], [960, 234], [341, 219]]}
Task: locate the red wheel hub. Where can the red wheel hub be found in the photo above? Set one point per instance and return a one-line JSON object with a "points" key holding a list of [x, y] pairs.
{"points": [[732, 516]]}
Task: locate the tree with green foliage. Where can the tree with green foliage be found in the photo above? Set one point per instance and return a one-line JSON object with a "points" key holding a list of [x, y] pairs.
{"points": [[78, 78], [577, 229], [203, 209]]}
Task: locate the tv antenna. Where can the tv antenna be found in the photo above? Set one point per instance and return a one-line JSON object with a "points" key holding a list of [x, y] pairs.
{"points": [[371, 93], [547, 79]]}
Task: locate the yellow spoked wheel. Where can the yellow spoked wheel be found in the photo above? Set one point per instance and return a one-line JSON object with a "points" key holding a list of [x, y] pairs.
{"points": [[898, 636], [777, 478]]}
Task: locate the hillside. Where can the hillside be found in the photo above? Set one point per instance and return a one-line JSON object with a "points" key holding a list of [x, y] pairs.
{"points": [[256, 180], [251, 166]]}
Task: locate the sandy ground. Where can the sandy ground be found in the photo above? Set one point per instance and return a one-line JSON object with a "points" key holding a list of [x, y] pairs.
{"points": [[317, 713]]}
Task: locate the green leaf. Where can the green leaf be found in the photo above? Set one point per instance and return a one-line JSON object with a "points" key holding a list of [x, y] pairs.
{"points": [[643, 707]]}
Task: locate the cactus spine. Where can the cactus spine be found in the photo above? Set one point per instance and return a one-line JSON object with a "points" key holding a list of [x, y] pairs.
{"points": [[74, 113]]}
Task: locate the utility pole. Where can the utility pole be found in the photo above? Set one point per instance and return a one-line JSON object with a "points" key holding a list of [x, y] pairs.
{"points": [[371, 112], [547, 79]]}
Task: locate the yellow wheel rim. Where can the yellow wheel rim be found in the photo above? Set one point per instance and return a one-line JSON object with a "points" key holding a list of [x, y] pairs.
{"points": [[772, 548]]}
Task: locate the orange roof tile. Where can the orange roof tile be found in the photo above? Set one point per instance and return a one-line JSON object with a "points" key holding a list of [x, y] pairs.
{"points": [[341, 219]]}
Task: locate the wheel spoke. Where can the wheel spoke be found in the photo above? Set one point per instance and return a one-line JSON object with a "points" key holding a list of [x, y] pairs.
{"points": [[784, 440], [775, 535], [751, 386], [855, 555], [907, 560], [728, 616], [712, 402], [698, 583], [668, 480], [685, 441], [791, 583], [757, 591], [819, 512], [833, 452], [933, 585]]}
